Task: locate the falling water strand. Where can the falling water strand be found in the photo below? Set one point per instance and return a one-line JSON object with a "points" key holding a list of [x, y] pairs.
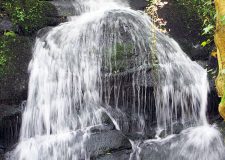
{"points": [[102, 58]]}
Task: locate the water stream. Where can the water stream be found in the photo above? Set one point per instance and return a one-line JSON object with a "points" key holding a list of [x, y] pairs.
{"points": [[111, 60]]}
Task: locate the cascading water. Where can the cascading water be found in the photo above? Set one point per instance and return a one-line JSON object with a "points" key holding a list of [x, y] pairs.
{"points": [[112, 59]]}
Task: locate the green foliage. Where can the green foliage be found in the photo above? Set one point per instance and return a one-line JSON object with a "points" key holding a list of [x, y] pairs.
{"points": [[5, 41], [26, 14], [10, 34], [204, 10], [120, 54]]}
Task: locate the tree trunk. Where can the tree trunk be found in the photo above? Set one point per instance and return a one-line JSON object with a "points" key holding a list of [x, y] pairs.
{"points": [[220, 44]]}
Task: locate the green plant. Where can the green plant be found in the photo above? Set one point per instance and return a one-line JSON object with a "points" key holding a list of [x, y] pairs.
{"points": [[3, 55], [26, 14], [203, 10], [5, 42], [197, 12], [120, 53], [10, 34]]}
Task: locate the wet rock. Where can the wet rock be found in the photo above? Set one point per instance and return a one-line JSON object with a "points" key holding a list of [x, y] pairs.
{"points": [[179, 28], [106, 141], [213, 100], [10, 122], [42, 33], [100, 128], [2, 149], [177, 128], [138, 4], [14, 81], [97, 141], [115, 155], [66, 8], [199, 53]]}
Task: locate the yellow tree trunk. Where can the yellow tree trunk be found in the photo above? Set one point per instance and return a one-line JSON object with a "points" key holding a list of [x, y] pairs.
{"points": [[220, 44]]}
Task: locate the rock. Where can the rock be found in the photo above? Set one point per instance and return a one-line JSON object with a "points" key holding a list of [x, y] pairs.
{"points": [[213, 100], [42, 33], [14, 82], [138, 4], [10, 122], [153, 151], [2, 149], [103, 142], [52, 16], [199, 53], [177, 128], [178, 28], [115, 155], [5, 25], [66, 8], [96, 143]]}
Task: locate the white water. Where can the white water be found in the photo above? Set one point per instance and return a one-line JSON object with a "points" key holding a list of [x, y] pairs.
{"points": [[67, 90]]}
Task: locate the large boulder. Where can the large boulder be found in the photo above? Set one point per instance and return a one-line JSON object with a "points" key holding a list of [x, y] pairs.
{"points": [[97, 141], [5, 24]]}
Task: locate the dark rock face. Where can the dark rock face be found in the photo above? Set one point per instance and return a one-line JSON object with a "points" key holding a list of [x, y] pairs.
{"points": [[65, 8], [14, 82], [5, 25], [177, 25], [115, 155], [101, 141], [106, 141], [190, 40], [213, 100], [138, 4], [10, 122]]}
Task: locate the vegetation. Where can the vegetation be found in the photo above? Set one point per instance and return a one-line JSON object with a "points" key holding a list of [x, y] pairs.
{"points": [[204, 10], [27, 15], [5, 41], [120, 55], [195, 11]]}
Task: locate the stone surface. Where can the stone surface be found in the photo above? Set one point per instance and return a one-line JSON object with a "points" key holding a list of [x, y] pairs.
{"points": [[65, 8], [10, 122], [101, 141], [106, 141], [138, 4], [115, 155], [177, 27], [14, 83], [5, 25]]}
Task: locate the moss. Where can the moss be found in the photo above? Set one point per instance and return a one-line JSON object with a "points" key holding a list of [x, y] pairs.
{"points": [[28, 15], [120, 55], [5, 41], [13, 51]]}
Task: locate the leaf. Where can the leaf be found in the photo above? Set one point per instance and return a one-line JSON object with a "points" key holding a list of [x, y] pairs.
{"points": [[207, 29], [10, 34], [204, 43]]}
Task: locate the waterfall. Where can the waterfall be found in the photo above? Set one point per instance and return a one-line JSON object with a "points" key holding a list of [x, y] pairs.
{"points": [[111, 61]]}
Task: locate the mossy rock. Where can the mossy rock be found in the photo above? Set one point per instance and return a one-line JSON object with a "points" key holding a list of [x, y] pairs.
{"points": [[31, 15], [14, 75]]}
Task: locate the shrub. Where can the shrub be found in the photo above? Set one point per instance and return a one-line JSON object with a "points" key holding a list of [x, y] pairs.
{"points": [[28, 15], [196, 11]]}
